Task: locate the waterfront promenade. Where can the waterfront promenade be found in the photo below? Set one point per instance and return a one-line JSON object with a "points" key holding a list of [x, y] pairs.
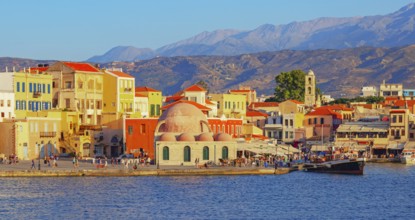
{"points": [[86, 168]]}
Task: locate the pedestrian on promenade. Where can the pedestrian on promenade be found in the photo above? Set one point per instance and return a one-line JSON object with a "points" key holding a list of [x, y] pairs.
{"points": [[74, 162], [33, 164]]}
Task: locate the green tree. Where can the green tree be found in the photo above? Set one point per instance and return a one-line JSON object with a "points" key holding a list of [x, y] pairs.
{"points": [[290, 85]]}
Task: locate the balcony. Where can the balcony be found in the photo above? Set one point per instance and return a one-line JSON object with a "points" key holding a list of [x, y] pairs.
{"points": [[127, 89], [90, 111], [37, 94], [47, 134]]}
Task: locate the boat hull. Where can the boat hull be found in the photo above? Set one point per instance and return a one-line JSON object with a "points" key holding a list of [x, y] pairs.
{"points": [[353, 167]]}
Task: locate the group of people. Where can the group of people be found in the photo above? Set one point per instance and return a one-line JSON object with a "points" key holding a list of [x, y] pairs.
{"points": [[11, 159]]}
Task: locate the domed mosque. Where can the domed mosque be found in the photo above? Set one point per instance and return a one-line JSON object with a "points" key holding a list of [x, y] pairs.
{"points": [[183, 134]]}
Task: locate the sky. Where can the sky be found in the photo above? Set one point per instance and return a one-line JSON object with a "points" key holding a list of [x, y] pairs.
{"points": [[75, 30]]}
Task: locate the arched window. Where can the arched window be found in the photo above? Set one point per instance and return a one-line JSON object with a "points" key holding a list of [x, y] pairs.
{"points": [[225, 153], [186, 154], [166, 153], [309, 90], [205, 153], [309, 80]]}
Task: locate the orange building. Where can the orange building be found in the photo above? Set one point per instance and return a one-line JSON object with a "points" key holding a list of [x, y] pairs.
{"points": [[139, 135], [230, 126]]}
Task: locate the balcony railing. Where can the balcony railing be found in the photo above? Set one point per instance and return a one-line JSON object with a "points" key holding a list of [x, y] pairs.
{"points": [[37, 94], [47, 134]]}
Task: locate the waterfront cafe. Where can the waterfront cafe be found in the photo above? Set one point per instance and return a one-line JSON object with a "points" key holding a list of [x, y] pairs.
{"points": [[250, 149]]}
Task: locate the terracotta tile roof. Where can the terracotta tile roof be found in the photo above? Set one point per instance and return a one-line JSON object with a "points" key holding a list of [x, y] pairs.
{"points": [[404, 102], [121, 74], [81, 66], [259, 136], [255, 114], [324, 111], [145, 89], [199, 106], [174, 98], [391, 98], [296, 102], [241, 90], [207, 101], [36, 69], [338, 107], [397, 111], [194, 88], [138, 95], [263, 104]]}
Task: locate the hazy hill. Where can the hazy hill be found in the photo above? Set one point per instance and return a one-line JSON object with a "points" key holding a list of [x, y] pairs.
{"points": [[391, 30], [339, 72], [123, 53]]}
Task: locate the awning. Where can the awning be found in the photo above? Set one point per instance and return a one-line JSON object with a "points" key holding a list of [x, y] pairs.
{"points": [[379, 146], [319, 148]]}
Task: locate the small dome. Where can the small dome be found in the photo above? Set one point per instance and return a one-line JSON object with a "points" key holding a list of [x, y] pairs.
{"points": [[223, 137], [186, 137], [167, 137], [205, 137]]}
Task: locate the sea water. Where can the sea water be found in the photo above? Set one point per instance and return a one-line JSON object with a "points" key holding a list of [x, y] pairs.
{"points": [[385, 191]]}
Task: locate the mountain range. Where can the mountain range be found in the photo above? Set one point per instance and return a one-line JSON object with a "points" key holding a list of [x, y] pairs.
{"points": [[391, 30]]}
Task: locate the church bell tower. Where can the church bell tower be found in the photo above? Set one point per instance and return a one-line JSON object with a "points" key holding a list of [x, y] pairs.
{"points": [[310, 89]]}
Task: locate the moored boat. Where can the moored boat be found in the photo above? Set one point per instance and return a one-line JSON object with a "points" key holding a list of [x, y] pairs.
{"points": [[346, 166], [408, 157]]}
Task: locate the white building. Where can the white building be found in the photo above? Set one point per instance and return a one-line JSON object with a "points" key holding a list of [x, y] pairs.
{"points": [[369, 91], [7, 97]]}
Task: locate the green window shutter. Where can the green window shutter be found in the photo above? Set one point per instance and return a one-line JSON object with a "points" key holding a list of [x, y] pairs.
{"points": [[225, 153], [166, 155], [205, 153]]}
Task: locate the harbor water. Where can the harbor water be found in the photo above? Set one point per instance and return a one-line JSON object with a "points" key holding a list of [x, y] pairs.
{"points": [[385, 191]]}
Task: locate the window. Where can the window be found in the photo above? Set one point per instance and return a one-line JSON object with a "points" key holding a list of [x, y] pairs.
{"points": [[9, 103], [400, 118], [394, 119], [34, 87], [1, 103], [68, 85], [411, 135], [286, 134], [17, 105], [218, 105], [142, 128], [157, 109], [286, 122], [291, 122], [48, 88], [44, 88], [166, 155], [152, 110], [403, 132], [186, 154], [67, 103], [315, 121], [30, 87], [205, 153], [321, 120], [18, 87], [23, 87], [225, 153]]}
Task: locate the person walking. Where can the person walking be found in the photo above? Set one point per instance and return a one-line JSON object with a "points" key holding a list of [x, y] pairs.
{"points": [[33, 164]]}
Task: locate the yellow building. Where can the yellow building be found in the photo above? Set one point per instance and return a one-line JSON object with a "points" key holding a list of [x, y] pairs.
{"points": [[33, 137], [78, 87], [122, 100], [230, 105], [32, 92], [155, 99], [250, 94]]}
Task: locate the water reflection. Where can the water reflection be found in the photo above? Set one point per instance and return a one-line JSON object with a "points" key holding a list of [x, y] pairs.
{"points": [[385, 191]]}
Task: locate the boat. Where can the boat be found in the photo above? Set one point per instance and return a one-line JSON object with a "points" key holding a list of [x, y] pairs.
{"points": [[345, 166], [408, 156]]}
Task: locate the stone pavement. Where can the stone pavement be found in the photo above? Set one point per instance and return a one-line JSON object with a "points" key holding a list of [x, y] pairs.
{"points": [[86, 168]]}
